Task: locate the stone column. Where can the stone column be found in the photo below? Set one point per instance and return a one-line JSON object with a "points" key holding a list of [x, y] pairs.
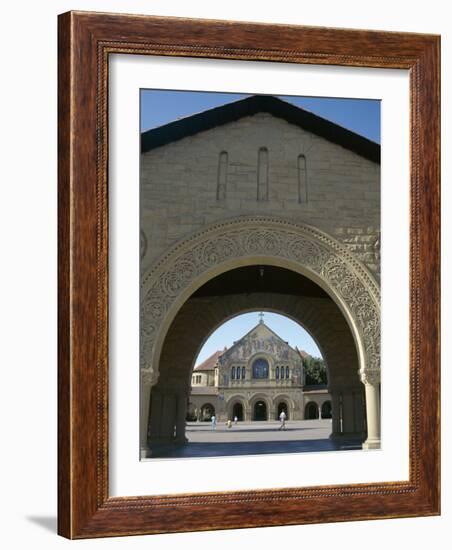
{"points": [[371, 381], [320, 411], [148, 380], [335, 413], [180, 417]]}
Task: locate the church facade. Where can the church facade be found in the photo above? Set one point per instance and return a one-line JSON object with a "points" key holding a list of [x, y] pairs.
{"points": [[256, 379]]}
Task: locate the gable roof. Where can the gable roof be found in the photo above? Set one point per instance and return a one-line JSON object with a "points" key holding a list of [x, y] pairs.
{"points": [[210, 362], [260, 324], [252, 105], [303, 354]]}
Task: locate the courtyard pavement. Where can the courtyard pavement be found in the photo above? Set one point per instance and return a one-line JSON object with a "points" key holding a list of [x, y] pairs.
{"points": [[252, 438]]}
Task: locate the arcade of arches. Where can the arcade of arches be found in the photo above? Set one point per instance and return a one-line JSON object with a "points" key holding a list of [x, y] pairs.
{"points": [[256, 379]]}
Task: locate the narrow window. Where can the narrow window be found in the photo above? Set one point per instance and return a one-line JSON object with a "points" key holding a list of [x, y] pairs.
{"points": [[277, 373], [282, 373], [302, 180], [287, 372], [243, 373], [222, 176], [262, 174], [233, 373]]}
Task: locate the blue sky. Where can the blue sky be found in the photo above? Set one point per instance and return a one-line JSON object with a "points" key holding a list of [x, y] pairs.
{"points": [[237, 327], [159, 107]]}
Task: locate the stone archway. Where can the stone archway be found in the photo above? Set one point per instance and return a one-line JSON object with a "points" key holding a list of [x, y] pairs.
{"points": [[238, 412], [260, 411], [265, 241], [207, 411], [326, 409], [311, 411], [282, 406]]}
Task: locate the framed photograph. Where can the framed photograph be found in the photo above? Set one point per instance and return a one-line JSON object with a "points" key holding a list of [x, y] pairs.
{"points": [[248, 275]]}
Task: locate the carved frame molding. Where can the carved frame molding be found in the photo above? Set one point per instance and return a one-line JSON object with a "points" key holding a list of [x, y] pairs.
{"points": [[85, 42]]}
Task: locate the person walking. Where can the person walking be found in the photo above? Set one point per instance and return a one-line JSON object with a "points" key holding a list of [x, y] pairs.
{"points": [[213, 421], [282, 420], [235, 420]]}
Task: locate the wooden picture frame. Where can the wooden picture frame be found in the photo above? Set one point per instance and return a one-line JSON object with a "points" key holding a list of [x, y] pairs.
{"points": [[86, 40]]}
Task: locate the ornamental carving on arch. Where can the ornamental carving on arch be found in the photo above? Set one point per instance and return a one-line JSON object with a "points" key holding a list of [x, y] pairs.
{"points": [[306, 246]]}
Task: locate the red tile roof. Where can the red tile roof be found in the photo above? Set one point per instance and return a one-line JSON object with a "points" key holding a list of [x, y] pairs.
{"points": [[210, 362]]}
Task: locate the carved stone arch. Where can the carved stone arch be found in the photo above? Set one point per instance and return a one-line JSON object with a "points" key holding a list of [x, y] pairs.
{"points": [[236, 398], [283, 397], [267, 241]]}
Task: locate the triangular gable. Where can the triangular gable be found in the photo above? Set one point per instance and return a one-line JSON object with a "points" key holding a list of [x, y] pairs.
{"points": [[246, 336], [236, 110]]}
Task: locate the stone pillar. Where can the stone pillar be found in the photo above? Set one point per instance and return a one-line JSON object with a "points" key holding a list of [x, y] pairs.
{"points": [[320, 411], [348, 414], [371, 383], [336, 414], [180, 417], [148, 380]]}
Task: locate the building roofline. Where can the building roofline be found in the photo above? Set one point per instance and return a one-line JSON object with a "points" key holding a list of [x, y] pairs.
{"points": [[230, 112], [237, 342]]}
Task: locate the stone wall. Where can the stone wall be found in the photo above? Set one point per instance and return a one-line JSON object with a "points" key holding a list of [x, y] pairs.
{"points": [[259, 165]]}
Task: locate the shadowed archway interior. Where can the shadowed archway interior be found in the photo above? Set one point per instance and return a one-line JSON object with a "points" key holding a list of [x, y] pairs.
{"points": [[249, 288]]}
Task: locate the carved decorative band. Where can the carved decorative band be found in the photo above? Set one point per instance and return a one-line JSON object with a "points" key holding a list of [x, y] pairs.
{"points": [[302, 245]]}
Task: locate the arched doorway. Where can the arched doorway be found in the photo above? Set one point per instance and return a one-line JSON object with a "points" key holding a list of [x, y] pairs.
{"points": [[260, 411], [326, 409], [173, 291], [282, 406], [207, 411], [237, 411], [311, 411]]}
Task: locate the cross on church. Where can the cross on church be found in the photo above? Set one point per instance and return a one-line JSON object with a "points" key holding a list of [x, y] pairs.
{"points": [[261, 317]]}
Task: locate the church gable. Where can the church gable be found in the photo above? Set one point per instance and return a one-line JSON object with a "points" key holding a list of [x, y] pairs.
{"points": [[261, 339], [269, 105]]}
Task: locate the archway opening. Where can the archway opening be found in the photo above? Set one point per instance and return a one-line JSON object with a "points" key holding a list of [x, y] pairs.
{"points": [[260, 362], [237, 412], [282, 407], [207, 411], [326, 409], [311, 411], [260, 411]]}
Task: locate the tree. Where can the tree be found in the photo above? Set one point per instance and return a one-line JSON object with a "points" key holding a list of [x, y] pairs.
{"points": [[315, 371]]}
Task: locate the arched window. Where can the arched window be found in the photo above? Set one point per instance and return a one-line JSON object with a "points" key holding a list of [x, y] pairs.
{"points": [[277, 373], [287, 372], [302, 180], [233, 373], [222, 175], [262, 174], [243, 373], [282, 373], [260, 368]]}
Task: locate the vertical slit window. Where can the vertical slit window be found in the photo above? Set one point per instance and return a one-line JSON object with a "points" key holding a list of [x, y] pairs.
{"points": [[243, 373], [222, 176], [302, 180], [233, 373], [262, 174]]}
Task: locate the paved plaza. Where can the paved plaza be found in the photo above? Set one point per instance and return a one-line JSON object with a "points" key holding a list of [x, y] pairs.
{"points": [[251, 438]]}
